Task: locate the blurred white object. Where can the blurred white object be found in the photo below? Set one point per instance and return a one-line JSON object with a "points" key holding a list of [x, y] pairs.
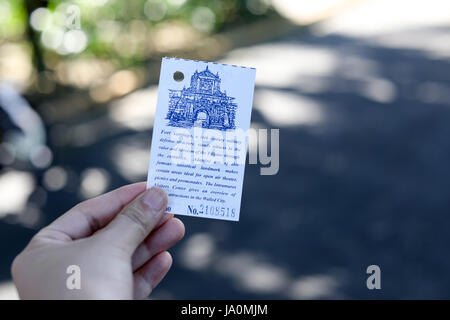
{"points": [[94, 181], [374, 17], [28, 142], [365, 16], [307, 11], [15, 188], [8, 291]]}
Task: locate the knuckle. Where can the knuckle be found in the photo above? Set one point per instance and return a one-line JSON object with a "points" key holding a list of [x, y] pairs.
{"points": [[93, 223], [137, 216]]}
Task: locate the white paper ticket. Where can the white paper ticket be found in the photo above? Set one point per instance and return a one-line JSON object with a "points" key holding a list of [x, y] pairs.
{"points": [[200, 136]]}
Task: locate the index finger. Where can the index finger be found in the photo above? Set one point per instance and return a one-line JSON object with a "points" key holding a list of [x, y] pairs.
{"points": [[93, 214]]}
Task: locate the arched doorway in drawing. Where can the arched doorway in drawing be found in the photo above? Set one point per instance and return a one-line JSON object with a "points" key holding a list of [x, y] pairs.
{"points": [[201, 118]]}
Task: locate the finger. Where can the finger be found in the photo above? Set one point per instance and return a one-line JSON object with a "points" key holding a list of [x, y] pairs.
{"points": [[159, 240], [163, 220], [89, 216], [134, 223], [150, 275]]}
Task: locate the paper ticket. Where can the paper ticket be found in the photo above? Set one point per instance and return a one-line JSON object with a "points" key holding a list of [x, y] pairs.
{"points": [[200, 136]]}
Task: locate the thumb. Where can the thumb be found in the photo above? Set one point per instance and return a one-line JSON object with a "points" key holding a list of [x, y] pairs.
{"points": [[133, 224]]}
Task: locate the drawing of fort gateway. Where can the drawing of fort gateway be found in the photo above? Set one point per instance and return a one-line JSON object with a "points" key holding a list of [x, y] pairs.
{"points": [[203, 104]]}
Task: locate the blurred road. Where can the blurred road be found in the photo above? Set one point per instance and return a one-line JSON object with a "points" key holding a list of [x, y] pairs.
{"points": [[364, 179]]}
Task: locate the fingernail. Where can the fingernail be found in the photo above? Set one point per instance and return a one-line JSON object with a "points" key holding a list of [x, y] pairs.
{"points": [[155, 198]]}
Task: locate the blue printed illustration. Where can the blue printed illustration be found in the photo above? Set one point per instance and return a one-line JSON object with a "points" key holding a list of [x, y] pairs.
{"points": [[203, 104]]}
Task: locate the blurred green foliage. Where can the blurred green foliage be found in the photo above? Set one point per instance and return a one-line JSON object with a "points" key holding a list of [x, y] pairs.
{"points": [[12, 19], [119, 29]]}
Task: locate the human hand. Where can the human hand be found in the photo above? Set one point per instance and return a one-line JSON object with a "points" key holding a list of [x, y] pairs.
{"points": [[118, 240]]}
